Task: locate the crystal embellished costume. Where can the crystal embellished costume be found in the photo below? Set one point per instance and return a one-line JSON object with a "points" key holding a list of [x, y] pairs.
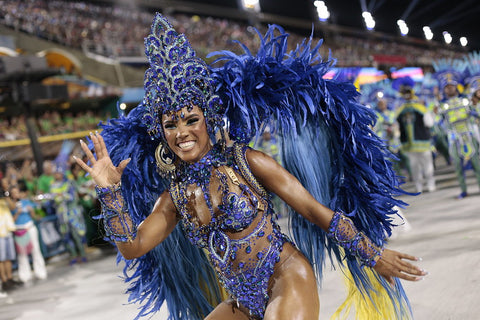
{"points": [[326, 143], [242, 237]]}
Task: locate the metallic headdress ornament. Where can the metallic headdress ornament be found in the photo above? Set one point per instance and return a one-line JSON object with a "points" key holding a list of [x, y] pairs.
{"points": [[449, 71], [176, 79], [472, 79], [403, 84]]}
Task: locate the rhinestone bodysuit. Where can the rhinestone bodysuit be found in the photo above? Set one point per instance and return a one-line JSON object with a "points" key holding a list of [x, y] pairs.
{"points": [[225, 211]]}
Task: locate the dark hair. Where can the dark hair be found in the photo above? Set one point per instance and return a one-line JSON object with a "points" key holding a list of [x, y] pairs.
{"points": [[22, 185]]}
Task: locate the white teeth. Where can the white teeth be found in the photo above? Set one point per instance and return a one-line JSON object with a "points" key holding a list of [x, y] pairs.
{"points": [[185, 145]]}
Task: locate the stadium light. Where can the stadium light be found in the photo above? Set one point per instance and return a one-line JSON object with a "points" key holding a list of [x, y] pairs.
{"points": [[403, 27], [253, 5], [463, 41], [322, 10], [428, 33], [447, 37], [369, 22]]}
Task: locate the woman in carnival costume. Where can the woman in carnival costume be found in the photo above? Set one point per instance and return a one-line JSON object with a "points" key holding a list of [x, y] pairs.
{"points": [[219, 188]]}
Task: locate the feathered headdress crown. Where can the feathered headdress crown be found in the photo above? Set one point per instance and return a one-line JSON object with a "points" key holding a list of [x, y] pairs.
{"points": [[473, 71], [403, 84], [449, 71], [176, 79]]}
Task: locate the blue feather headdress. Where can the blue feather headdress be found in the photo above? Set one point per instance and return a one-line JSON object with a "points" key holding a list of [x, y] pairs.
{"points": [[176, 79], [403, 83], [372, 93], [449, 71], [472, 71]]}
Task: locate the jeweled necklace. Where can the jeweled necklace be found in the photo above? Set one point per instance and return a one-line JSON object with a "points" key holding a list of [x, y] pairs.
{"points": [[199, 173]]}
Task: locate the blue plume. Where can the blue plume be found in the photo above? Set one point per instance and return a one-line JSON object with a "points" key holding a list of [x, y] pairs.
{"points": [[174, 271], [349, 74], [406, 81], [326, 138]]}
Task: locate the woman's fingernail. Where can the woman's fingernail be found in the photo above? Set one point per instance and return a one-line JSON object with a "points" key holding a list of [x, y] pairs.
{"points": [[419, 259]]}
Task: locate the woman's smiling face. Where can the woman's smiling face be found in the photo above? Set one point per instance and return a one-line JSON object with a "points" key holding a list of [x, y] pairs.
{"points": [[186, 134]]}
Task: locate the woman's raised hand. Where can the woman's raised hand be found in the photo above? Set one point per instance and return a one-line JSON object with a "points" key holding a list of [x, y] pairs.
{"points": [[102, 170]]}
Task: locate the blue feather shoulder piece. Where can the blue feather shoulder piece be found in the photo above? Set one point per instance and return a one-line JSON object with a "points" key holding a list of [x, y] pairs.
{"points": [[326, 142], [175, 272]]}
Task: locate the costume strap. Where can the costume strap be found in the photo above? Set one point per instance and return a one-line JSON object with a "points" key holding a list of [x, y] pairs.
{"points": [[117, 222], [240, 155]]}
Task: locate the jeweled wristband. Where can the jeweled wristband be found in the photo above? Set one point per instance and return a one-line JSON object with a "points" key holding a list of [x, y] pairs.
{"points": [[343, 231], [117, 222]]}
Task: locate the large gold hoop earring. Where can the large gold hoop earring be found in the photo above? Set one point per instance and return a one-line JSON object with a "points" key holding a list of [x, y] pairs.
{"points": [[166, 160]]}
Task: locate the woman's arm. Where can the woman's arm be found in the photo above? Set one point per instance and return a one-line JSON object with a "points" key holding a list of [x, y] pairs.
{"points": [[153, 230], [279, 181], [132, 242]]}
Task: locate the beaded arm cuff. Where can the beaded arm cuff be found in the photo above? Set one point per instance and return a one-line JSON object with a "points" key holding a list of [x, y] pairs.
{"points": [[343, 231], [116, 220]]}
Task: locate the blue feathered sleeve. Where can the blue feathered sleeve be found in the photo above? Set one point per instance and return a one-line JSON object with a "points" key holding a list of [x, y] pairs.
{"points": [[175, 272], [326, 140]]}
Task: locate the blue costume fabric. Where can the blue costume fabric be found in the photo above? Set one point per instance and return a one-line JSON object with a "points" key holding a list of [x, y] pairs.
{"points": [[326, 143]]}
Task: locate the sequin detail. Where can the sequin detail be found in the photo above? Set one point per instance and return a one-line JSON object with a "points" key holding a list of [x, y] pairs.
{"points": [[116, 221], [343, 232]]}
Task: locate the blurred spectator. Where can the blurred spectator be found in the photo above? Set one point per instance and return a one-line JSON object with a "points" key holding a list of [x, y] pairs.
{"points": [[460, 127], [7, 247], [415, 122], [28, 175], [70, 216], [387, 129], [26, 235], [11, 174], [46, 178], [87, 199], [116, 31]]}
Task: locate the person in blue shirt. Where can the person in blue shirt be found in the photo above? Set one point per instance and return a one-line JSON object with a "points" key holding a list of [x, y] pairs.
{"points": [[26, 236]]}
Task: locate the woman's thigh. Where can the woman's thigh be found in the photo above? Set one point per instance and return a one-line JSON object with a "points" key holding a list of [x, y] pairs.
{"points": [[294, 292], [227, 311]]}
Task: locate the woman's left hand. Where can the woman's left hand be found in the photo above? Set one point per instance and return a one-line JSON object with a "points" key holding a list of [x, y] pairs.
{"points": [[393, 264]]}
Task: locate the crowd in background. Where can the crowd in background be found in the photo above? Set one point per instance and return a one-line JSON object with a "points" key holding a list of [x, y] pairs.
{"points": [[49, 123], [42, 216], [118, 31]]}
